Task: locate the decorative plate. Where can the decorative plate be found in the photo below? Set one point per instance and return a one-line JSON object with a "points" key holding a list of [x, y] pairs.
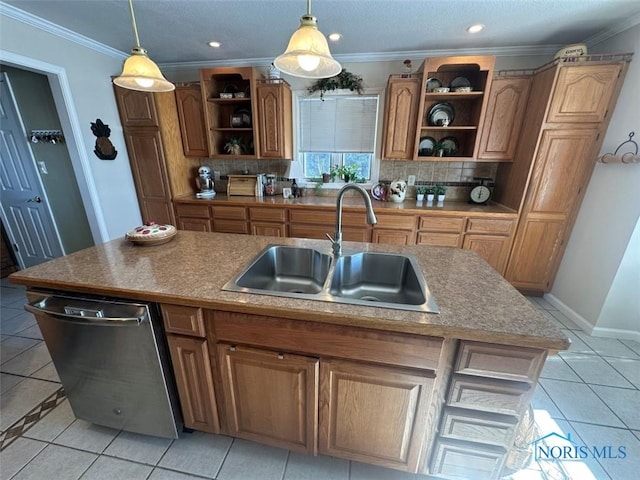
{"points": [[450, 145], [425, 147], [379, 191], [151, 233], [460, 82], [432, 84], [245, 115], [441, 114]]}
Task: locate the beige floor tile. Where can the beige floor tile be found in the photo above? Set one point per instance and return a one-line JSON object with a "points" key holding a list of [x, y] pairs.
{"points": [[308, 467], [29, 361], [17, 455], [19, 400], [164, 474], [7, 382], [267, 463], [594, 370], [86, 436], [609, 347], [56, 462], [198, 453], [13, 346], [624, 403], [556, 368], [53, 424], [138, 448], [107, 468]]}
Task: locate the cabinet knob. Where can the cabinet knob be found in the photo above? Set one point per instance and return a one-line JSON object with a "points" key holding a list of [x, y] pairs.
{"points": [[281, 356], [232, 348]]}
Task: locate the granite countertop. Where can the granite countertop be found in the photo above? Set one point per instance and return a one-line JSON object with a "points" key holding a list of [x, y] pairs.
{"points": [[476, 303], [354, 203]]}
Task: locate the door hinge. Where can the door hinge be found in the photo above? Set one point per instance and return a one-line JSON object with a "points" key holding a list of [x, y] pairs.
{"points": [[598, 135], [15, 247]]}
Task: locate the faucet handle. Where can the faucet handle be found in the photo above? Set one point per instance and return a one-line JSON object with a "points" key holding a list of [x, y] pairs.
{"points": [[330, 238]]}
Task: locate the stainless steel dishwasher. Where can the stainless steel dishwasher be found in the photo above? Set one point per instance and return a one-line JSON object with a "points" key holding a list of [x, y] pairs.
{"points": [[112, 359]]}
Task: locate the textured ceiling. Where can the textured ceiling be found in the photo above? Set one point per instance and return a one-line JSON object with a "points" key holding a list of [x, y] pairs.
{"points": [[178, 31]]}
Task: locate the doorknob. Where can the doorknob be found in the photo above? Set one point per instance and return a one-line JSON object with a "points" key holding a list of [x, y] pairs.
{"points": [[35, 199]]}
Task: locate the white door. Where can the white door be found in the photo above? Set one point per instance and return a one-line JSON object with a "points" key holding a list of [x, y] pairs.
{"points": [[25, 213]]}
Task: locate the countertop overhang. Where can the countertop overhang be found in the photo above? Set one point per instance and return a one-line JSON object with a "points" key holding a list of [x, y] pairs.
{"points": [[476, 302]]}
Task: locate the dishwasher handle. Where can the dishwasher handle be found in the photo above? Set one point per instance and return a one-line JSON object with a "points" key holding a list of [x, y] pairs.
{"points": [[90, 311]]}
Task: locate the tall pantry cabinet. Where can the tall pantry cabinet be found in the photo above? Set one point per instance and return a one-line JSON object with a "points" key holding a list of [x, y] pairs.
{"points": [[154, 147], [569, 109]]}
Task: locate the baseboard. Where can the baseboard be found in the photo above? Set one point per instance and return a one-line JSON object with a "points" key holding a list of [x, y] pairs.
{"points": [[587, 327]]}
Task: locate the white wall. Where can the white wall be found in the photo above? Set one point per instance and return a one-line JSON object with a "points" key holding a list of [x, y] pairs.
{"points": [[89, 78], [598, 282]]}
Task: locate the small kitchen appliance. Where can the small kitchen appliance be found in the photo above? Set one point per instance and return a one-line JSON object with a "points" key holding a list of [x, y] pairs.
{"points": [[205, 183]]}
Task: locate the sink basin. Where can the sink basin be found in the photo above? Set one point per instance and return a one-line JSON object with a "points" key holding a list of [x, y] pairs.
{"points": [[381, 279], [284, 269], [373, 279]]}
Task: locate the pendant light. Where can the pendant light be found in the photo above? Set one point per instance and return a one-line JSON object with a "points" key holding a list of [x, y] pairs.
{"points": [[308, 54], [139, 71]]}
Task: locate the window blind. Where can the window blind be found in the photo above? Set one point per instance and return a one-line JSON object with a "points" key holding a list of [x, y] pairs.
{"points": [[338, 124]]}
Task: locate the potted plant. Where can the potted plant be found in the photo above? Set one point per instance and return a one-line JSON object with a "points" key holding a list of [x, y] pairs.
{"points": [[420, 191], [344, 80], [439, 149], [440, 191], [235, 146], [430, 193], [349, 172]]}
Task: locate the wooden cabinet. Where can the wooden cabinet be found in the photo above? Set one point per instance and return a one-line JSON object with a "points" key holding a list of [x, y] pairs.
{"points": [[192, 369], [270, 397], [503, 120], [352, 395], [440, 231], [268, 221], [275, 119], [401, 110], [158, 164], [315, 223], [193, 217], [583, 93], [491, 239], [191, 117], [394, 229], [563, 129], [230, 219], [489, 392], [468, 107]]}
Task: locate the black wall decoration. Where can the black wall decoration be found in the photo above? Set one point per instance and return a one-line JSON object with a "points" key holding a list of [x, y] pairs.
{"points": [[104, 148]]}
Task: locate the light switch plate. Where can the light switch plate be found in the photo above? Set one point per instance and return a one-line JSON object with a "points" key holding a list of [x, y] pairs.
{"points": [[411, 180], [43, 167]]}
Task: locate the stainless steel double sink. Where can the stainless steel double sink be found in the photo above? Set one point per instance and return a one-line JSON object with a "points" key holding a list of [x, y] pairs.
{"points": [[367, 278]]}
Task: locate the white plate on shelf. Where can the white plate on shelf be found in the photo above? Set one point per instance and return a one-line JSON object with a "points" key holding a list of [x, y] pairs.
{"points": [[432, 84]]}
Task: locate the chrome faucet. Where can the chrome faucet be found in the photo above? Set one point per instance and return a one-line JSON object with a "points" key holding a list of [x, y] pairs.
{"points": [[336, 242]]}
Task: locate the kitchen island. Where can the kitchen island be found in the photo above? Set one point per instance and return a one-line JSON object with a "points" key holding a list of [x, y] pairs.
{"points": [[429, 393]]}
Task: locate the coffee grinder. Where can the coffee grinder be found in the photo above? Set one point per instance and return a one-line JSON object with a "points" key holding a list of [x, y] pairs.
{"points": [[205, 183]]}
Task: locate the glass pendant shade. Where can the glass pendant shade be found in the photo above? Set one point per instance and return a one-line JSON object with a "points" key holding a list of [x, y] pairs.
{"points": [[308, 54], [140, 73]]}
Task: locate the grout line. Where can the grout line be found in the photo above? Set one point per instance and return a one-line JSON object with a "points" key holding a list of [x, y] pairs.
{"points": [[635, 387], [603, 401], [286, 464], [226, 455]]}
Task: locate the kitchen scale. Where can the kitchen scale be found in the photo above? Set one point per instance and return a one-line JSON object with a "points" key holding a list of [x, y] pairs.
{"points": [[481, 194]]}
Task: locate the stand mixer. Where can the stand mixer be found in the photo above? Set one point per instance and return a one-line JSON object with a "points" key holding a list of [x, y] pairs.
{"points": [[205, 183]]}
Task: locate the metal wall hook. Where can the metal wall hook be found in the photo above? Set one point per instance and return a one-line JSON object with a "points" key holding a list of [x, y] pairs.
{"points": [[47, 136], [627, 157]]}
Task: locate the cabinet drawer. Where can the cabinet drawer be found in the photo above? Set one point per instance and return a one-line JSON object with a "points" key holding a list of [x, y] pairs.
{"points": [[401, 222], [441, 224], [459, 460], [183, 320], [398, 349], [478, 427], [232, 213], [268, 214], [327, 217], [500, 361], [198, 211], [488, 395], [490, 225], [223, 225], [349, 234], [439, 239]]}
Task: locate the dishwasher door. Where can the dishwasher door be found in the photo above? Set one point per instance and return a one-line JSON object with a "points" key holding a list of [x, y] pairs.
{"points": [[112, 361]]}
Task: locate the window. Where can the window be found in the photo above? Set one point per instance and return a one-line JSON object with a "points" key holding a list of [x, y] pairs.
{"points": [[339, 131]]}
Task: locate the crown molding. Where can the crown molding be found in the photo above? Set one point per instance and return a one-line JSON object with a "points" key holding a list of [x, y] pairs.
{"points": [[373, 57], [600, 37], [50, 27]]}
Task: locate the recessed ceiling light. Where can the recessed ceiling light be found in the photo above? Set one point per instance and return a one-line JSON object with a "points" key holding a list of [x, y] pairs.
{"points": [[478, 27], [334, 37], [215, 44]]}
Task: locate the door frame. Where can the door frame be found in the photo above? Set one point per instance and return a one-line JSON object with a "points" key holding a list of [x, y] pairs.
{"points": [[65, 106]]}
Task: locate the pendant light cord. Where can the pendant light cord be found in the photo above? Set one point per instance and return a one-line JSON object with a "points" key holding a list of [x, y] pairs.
{"points": [[309, 7], [133, 22]]}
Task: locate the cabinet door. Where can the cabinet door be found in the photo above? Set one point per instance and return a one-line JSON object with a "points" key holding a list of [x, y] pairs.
{"points": [[137, 109], [269, 229], [439, 239], [493, 248], [503, 120], [352, 395], [560, 175], [270, 397], [146, 156], [401, 115], [230, 226], [194, 224], [192, 368], [191, 117], [393, 237], [583, 93], [275, 129]]}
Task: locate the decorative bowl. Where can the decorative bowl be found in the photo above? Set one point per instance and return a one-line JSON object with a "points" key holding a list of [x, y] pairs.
{"points": [[441, 89], [151, 233]]}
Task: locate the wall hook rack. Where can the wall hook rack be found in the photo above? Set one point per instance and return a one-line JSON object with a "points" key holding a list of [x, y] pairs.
{"points": [[626, 157], [47, 136]]}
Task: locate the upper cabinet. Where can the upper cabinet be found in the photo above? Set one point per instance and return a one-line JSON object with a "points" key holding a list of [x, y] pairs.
{"points": [[137, 109], [583, 93], [452, 108], [275, 121], [191, 117], [240, 109], [401, 110], [503, 120]]}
